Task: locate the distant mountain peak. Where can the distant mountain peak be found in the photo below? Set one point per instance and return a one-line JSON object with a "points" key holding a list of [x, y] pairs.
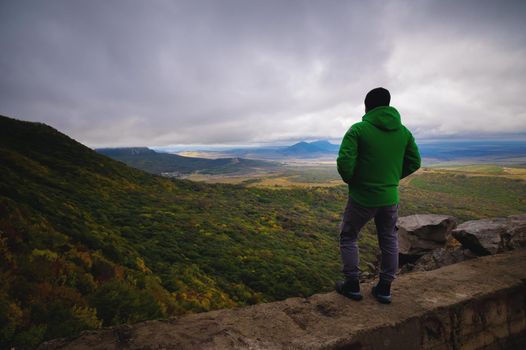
{"points": [[311, 148], [322, 143]]}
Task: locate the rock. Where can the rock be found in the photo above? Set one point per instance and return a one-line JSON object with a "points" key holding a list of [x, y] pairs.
{"points": [[517, 232], [366, 276], [438, 258], [492, 236], [422, 233]]}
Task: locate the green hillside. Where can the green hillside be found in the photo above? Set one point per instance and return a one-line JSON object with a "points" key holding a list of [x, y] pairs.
{"points": [[87, 241], [161, 163]]}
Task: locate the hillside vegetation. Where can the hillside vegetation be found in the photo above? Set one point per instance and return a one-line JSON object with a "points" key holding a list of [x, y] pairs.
{"points": [[86, 241], [175, 165]]}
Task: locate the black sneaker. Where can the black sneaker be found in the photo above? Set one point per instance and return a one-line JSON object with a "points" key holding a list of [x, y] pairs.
{"points": [[349, 288], [382, 292]]}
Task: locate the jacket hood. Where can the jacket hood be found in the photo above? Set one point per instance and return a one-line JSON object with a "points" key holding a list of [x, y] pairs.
{"points": [[384, 117]]}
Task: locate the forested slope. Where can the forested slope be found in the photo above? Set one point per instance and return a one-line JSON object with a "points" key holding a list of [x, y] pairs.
{"points": [[166, 163], [86, 240]]}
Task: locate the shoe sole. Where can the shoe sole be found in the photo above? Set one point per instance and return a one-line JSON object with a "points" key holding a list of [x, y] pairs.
{"points": [[381, 298]]}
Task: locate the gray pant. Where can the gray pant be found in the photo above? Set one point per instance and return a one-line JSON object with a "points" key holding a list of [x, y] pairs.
{"points": [[354, 218]]}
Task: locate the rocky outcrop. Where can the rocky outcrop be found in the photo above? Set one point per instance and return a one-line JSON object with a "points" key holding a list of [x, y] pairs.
{"points": [[422, 233], [491, 236], [475, 304], [440, 257], [476, 237]]}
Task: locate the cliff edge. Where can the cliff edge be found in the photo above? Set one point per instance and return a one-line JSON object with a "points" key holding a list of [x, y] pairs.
{"points": [[475, 304]]}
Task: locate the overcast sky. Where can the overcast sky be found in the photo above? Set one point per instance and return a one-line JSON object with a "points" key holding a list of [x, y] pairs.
{"points": [[153, 73]]}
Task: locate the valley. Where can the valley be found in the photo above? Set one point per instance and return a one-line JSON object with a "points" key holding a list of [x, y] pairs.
{"points": [[87, 241]]}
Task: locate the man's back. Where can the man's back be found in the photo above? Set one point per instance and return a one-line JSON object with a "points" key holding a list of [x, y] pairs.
{"points": [[374, 155]]}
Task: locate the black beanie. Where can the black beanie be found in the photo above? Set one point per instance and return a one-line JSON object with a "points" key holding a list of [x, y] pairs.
{"points": [[376, 98]]}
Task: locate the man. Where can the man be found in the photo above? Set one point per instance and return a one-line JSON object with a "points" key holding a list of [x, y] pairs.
{"points": [[374, 155]]}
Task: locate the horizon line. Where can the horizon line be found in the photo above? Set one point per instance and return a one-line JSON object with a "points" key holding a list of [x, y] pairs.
{"points": [[225, 146]]}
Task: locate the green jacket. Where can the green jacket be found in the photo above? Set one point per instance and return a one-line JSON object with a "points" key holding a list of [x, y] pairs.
{"points": [[374, 155]]}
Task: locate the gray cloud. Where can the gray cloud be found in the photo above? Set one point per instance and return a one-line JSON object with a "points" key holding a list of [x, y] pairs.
{"points": [[112, 73]]}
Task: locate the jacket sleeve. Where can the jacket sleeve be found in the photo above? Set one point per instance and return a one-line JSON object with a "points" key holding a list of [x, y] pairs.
{"points": [[347, 155], [411, 158]]}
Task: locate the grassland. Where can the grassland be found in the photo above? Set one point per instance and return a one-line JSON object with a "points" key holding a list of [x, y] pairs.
{"points": [[306, 175], [517, 173], [465, 191], [294, 176]]}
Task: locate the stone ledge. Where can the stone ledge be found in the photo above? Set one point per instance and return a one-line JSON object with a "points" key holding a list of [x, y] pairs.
{"points": [[476, 304]]}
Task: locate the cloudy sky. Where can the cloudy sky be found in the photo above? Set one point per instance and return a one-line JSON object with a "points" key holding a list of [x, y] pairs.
{"points": [[159, 72]]}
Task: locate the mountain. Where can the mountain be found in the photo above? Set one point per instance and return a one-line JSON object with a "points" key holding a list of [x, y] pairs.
{"points": [[509, 152], [86, 241], [310, 149], [326, 146], [172, 164], [502, 152], [300, 150]]}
